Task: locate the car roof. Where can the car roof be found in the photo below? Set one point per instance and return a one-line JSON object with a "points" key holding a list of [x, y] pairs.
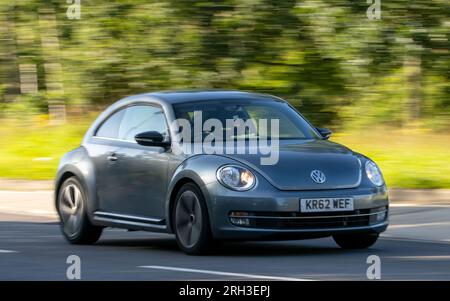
{"points": [[175, 97]]}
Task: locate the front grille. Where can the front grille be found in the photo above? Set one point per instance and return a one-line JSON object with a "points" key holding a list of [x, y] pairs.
{"points": [[297, 220]]}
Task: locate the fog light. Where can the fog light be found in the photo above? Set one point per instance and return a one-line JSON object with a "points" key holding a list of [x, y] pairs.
{"points": [[380, 216], [239, 221], [238, 218]]}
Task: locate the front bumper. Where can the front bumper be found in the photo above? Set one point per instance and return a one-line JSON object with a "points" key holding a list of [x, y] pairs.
{"points": [[267, 213]]}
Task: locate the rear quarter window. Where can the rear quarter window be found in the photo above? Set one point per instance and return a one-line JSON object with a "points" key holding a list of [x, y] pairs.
{"points": [[110, 127]]}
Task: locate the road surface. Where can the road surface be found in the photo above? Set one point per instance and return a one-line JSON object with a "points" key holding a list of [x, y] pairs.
{"points": [[416, 246]]}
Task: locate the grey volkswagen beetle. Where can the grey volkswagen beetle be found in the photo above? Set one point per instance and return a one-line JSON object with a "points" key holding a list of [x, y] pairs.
{"points": [[133, 171]]}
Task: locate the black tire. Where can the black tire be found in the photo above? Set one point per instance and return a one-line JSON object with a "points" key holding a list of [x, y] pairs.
{"points": [[355, 241], [191, 221], [74, 222]]}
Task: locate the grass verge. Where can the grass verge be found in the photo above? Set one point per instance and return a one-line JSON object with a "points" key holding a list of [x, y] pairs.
{"points": [[408, 158]]}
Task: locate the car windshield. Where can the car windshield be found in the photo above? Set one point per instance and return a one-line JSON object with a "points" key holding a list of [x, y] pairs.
{"points": [[257, 112]]}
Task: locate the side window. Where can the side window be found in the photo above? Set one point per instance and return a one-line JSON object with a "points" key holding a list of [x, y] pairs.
{"points": [[142, 118], [110, 128]]}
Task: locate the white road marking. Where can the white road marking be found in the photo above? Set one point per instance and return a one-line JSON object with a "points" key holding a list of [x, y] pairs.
{"points": [[7, 251], [419, 205], [252, 276], [420, 240], [431, 257], [419, 225]]}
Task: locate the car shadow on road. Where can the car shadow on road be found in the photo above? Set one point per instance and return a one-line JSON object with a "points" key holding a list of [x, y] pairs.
{"points": [[166, 243], [266, 248]]}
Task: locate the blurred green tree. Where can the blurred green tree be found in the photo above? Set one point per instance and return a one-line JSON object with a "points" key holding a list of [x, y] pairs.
{"points": [[326, 57]]}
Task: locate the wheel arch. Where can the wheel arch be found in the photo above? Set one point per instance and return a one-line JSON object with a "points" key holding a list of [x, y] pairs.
{"points": [[66, 175], [175, 187], [77, 164], [200, 170]]}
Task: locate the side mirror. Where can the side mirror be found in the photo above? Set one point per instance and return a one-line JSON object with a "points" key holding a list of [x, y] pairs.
{"points": [[151, 138], [326, 133]]}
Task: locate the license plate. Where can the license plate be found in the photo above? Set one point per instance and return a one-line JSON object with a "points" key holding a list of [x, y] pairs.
{"points": [[326, 204]]}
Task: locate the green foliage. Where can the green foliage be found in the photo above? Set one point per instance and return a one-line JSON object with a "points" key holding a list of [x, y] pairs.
{"points": [[408, 158], [31, 148], [326, 57], [24, 106]]}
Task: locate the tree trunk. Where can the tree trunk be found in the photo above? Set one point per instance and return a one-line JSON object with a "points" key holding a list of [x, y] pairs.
{"points": [[9, 70], [413, 70], [52, 65]]}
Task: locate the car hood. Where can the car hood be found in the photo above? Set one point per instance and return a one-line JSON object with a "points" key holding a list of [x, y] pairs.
{"points": [[340, 165]]}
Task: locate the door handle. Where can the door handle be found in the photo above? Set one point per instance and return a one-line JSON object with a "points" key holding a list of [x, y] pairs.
{"points": [[112, 157]]}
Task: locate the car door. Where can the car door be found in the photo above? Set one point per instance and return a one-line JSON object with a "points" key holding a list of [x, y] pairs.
{"points": [[103, 148], [141, 171]]}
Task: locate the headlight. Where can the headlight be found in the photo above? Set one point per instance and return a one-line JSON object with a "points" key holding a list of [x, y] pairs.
{"points": [[374, 173], [235, 177]]}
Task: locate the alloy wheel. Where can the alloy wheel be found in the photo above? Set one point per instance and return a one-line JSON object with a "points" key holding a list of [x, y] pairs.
{"points": [[188, 219], [71, 209]]}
